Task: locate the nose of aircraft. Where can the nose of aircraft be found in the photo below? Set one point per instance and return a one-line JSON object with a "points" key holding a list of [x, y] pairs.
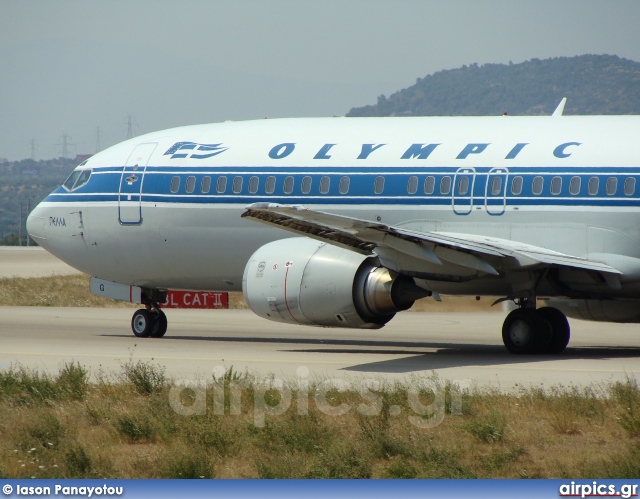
{"points": [[35, 224]]}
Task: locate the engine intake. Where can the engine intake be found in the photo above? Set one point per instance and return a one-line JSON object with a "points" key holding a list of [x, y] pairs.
{"points": [[304, 281]]}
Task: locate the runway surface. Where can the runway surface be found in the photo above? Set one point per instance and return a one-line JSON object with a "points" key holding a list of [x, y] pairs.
{"points": [[458, 346]]}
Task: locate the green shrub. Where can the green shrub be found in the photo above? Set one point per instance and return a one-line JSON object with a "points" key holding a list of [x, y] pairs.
{"points": [[488, 429], [343, 461], [145, 377], [78, 462], [136, 429], [292, 432], [192, 464], [627, 394], [443, 463], [24, 386], [401, 469], [210, 434], [42, 431], [73, 380]]}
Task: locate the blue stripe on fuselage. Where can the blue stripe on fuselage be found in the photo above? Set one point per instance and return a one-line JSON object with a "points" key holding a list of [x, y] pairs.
{"points": [[104, 185]]}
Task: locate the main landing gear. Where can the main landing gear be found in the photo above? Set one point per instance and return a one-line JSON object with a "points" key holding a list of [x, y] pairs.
{"points": [[149, 322], [530, 331]]}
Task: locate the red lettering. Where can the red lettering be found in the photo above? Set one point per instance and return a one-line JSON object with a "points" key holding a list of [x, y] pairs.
{"points": [[195, 299]]}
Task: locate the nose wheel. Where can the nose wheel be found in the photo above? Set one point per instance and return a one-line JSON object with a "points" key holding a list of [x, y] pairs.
{"points": [[149, 322], [531, 331]]}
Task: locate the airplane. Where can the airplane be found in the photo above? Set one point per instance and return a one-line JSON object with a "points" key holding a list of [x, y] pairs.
{"points": [[344, 222]]}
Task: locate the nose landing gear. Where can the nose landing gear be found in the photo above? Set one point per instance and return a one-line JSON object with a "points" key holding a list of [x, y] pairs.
{"points": [[149, 322]]}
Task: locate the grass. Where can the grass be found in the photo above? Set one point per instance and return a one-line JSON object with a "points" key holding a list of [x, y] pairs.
{"points": [[123, 426], [54, 291]]}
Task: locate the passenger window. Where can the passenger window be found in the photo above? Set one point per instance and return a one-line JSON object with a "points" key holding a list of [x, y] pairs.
{"points": [[463, 186], [378, 185], [629, 186], [325, 183], [253, 185], [593, 186], [429, 185], [237, 185], [175, 184], [574, 186], [344, 185], [538, 184], [222, 185], [516, 186], [556, 185], [412, 185], [445, 185], [205, 185], [612, 185], [270, 185], [288, 185], [191, 184], [496, 186], [306, 185]]}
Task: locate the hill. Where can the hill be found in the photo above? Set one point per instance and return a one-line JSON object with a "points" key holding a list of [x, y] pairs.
{"points": [[26, 183], [593, 84]]}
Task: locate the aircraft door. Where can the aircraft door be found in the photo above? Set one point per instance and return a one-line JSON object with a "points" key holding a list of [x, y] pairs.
{"points": [[130, 195], [462, 193], [496, 191]]}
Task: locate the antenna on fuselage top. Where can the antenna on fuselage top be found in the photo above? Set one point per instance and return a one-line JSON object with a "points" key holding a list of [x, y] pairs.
{"points": [[560, 109]]}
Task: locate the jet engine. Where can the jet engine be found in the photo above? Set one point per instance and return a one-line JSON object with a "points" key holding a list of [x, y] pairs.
{"points": [[304, 281]]}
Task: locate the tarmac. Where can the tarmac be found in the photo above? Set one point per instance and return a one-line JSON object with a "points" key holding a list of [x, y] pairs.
{"points": [[463, 347]]}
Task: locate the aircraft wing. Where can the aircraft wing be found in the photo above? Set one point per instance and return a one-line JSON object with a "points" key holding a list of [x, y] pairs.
{"points": [[366, 237]]}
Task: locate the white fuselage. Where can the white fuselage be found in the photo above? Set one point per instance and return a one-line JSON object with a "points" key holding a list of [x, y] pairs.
{"points": [[163, 210]]}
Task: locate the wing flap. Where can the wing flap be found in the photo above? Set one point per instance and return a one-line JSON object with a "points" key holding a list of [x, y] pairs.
{"points": [[363, 236]]}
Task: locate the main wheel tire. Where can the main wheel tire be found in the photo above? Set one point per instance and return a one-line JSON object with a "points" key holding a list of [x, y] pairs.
{"points": [[560, 329], [524, 332], [159, 326], [141, 323]]}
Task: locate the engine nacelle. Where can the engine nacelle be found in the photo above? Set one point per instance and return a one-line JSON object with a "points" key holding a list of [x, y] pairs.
{"points": [[304, 281], [625, 311]]}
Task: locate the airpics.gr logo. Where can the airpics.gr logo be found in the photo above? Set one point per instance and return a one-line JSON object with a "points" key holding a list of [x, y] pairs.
{"points": [[194, 150]]}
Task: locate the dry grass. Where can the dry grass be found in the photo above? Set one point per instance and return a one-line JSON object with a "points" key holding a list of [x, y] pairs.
{"points": [[54, 291], [73, 291], [123, 426]]}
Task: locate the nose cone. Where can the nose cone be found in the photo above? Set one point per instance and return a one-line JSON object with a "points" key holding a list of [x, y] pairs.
{"points": [[35, 225]]}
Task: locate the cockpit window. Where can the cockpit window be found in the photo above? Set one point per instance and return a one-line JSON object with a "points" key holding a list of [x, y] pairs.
{"points": [[77, 179]]}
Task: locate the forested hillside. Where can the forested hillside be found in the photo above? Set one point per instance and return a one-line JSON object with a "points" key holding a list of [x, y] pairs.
{"points": [[593, 84], [26, 182]]}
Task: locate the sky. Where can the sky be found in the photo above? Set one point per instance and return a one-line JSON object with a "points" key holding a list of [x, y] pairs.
{"points": [[75, 66]]}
